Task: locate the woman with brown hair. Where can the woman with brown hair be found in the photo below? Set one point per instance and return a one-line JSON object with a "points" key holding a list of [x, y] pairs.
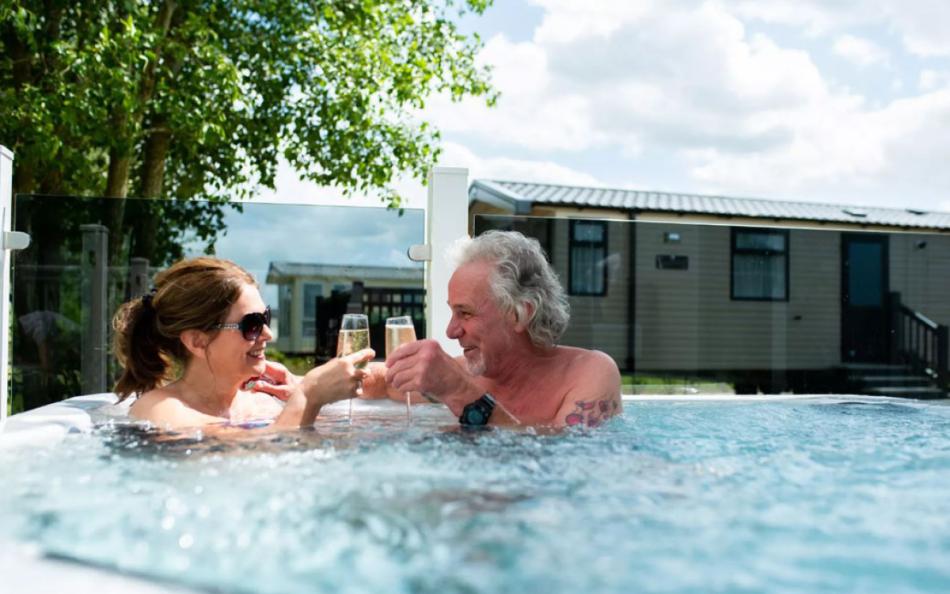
{"points": [[205, 319]]}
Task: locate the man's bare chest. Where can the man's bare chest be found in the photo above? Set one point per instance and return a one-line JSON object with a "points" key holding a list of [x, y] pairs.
{"points": [[535, 402]]}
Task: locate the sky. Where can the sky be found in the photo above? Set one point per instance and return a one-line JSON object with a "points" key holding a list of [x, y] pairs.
{"points": [[840, 101], [266, 233]]}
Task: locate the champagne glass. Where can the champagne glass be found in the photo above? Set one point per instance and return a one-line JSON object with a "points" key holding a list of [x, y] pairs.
{"points": [[353, 337], [399, 331]]}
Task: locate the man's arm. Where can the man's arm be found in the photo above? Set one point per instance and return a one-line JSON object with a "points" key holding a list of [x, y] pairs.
{"points": [[595, 396]]}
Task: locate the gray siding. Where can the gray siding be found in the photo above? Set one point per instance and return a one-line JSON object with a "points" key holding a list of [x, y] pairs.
{"points": [[922, 274], [687, 321], [598, 322]]}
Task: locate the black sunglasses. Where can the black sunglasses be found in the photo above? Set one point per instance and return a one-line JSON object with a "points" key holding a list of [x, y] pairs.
{"points": [[251, 325]]}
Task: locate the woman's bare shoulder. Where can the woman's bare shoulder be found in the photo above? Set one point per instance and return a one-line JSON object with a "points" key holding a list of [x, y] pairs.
{"points": [[162, 408]]}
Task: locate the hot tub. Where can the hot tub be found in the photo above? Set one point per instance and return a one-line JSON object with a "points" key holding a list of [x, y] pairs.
{"points": [[712, 494]]}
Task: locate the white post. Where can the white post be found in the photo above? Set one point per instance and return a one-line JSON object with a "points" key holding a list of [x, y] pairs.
{"points": [[446, 221], [6, 287]]}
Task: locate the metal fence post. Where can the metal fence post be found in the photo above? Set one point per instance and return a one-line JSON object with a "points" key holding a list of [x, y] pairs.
{"points": [[94, 298], [138, 277]]}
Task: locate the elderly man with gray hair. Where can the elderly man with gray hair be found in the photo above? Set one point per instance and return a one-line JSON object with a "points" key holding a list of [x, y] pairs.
{"points": [[508, 312]]}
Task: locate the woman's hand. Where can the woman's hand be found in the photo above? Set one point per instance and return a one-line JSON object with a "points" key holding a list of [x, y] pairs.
{"points": [[276, 381], [337, 379]]}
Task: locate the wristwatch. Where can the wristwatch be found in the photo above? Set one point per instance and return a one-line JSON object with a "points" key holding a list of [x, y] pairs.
{"points": [[476, 414]]}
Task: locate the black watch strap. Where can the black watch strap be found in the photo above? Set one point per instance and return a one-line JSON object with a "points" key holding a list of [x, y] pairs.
{"points": [[476, 414]]}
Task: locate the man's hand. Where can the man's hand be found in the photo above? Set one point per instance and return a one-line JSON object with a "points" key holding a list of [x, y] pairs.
{"points": [[422, 366]]}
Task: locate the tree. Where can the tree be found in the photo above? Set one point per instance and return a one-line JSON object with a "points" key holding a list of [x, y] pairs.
{"points": [[199, 98]]}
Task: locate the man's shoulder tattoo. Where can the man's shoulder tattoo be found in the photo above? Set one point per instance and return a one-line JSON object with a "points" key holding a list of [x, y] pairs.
{"points": [[592, 413]]}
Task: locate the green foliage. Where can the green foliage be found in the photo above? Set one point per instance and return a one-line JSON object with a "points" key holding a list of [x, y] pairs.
{"points": [[297, 364], [200, 97]]}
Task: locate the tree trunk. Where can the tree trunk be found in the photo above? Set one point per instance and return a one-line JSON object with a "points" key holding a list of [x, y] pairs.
{"points": [[156, 151], [157, 140], [153, 173], [117, 186]]}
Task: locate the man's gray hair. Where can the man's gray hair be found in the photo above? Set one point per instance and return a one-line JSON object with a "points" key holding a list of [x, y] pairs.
{"points": [[521, 275]]}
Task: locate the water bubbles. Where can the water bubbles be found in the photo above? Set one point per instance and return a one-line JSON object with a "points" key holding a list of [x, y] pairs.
{"points": [[174, 505], [186, 541], [691, 494]]}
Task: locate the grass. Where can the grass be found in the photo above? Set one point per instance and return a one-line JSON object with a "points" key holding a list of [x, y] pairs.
{"points": [[671, 384], [297, 364]]}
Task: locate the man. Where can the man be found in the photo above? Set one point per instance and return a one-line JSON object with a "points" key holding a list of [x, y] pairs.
{"points": [[508, 311]]}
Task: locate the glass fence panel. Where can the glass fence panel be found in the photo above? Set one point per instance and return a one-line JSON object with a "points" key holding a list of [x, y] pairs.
{"points": [[716, 308], [89, 255]]}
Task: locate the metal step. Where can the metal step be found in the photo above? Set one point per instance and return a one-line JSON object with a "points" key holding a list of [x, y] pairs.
{"points": [[882, 367], [893, 380], [920, 392]]}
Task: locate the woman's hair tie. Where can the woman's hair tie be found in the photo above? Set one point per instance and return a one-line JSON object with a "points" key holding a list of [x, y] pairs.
{"points": [[147, 298]]}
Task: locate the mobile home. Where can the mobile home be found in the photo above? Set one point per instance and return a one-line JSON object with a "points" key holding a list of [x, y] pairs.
{"points": [[771, 295]]}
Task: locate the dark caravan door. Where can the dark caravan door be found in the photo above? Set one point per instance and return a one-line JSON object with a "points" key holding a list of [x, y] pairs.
{"points": [[864, 284]]}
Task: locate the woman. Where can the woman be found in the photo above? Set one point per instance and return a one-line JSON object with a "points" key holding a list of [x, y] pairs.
{"points": [[205, 322]]}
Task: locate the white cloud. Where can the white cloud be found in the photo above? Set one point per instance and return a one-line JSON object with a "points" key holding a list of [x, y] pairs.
{"points": [[888, 156], [862, 52], [922, 25], [505, 168], [813, 17], [290, 189], [668, 77], [569, 21], [700, 89], [933, 79], [535, 112], [737, 110]]}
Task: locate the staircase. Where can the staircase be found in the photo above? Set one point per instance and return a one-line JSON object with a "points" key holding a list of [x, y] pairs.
{"points": [[891, 380]]}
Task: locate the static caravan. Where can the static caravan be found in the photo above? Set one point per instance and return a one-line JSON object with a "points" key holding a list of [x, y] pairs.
{"points": [[301, 287], [769, 295]]}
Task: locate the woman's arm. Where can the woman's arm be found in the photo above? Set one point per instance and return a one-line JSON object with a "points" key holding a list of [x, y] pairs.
{"points": [[338, 379]]}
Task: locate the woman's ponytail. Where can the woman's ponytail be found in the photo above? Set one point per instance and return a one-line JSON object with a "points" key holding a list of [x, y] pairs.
{"points": [[138, 347]]}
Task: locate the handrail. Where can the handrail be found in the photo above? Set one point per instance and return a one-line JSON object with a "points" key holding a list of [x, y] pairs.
{"points": [[920, 342], [920, 317]]}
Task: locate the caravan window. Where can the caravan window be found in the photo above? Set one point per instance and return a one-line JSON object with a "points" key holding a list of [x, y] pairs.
{"points": [[588, 274], [760, 264]]}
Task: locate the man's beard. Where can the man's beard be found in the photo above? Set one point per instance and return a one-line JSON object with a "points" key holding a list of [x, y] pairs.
{"points": [[476, 367]]}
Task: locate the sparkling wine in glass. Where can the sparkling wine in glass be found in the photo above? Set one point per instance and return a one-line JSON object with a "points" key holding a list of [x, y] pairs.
{"points": [[353, 337], [399, 331]]}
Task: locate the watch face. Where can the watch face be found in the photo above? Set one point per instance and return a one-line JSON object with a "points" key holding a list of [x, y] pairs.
{"points": [[478, 412]]}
